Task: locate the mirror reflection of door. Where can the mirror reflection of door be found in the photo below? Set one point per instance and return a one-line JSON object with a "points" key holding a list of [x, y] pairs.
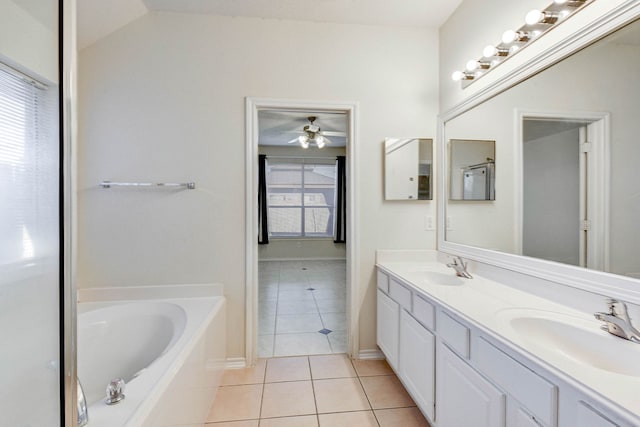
{"points": [[472, 165], [558, 192]]}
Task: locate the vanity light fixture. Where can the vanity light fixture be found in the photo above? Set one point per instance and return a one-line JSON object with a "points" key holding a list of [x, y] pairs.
{"points": [[573, 3], [536, 23]]}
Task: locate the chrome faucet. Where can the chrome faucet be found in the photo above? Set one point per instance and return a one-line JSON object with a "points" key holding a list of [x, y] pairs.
{"points": [[460, 267], [83, 413], [618, 322]]}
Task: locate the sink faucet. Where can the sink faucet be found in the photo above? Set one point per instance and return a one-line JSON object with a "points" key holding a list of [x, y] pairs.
{"points": [[618, 322], [460, 267]]}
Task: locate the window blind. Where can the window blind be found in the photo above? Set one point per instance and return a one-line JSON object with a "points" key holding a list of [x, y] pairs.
{"points": [[29, 165]]}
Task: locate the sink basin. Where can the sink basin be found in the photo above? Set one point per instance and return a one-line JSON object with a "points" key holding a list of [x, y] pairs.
{"points": [[436, 278], [449, 279], [574, 338]]}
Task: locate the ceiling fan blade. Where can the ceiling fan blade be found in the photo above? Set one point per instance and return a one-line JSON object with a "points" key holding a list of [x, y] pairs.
{"points": [[293, 141], [333, 133]]}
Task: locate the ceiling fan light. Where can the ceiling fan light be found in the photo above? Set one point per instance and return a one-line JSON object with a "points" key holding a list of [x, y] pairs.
{"points": [[321, 141], [304, 141]]}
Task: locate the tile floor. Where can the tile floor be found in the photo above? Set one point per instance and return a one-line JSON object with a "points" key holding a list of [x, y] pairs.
{"points": [[314, 391], [302, 308]]}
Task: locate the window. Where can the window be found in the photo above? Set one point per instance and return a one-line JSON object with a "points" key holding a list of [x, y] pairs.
{"points": [[301, 196], [28, 169]]}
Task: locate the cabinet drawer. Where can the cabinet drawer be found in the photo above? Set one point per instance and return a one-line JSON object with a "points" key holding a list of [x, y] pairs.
{"points": [[383, 282], [424, 311], [532, 391], [454, 333], [400, 294]]}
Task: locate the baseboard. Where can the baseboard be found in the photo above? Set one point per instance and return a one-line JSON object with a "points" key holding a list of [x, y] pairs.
{"points": [[235, 363], [370, 354]]}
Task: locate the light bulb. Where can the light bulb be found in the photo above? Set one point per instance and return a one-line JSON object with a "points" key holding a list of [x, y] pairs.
{"points": [[472, 65], [534, 17], [457, 76], [537, 17], [320, 141], [509, 36], [304, 141], [491, 51]]}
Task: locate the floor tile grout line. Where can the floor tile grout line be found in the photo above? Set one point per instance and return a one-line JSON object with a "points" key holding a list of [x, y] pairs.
{"points": [[313, 390], [365, 393]]}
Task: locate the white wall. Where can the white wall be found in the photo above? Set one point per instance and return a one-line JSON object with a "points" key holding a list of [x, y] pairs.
{"points": [[162, 99], [27, 43]]}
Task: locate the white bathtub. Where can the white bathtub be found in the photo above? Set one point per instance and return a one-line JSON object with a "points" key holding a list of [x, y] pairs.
{"points": [[169, 350]]}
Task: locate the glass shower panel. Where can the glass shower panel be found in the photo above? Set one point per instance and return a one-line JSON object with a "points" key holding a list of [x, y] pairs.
{"points": [[30, 362]]}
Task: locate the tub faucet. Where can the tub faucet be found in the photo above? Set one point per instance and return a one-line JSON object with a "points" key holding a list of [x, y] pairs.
{"points": [[618, 322], [83, 413], [115, 391], [460, 267]]}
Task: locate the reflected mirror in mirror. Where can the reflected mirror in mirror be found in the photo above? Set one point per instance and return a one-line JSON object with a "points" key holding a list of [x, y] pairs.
{"points": [[472, 169], [407, 168], [570, 162]]}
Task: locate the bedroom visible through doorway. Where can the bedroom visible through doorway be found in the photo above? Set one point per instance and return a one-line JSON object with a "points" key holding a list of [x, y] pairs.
{"points": [[302, 280]]}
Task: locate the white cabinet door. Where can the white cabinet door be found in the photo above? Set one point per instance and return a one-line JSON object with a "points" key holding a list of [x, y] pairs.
{"points": [[522, 418], [464, 397], [388, 328], [417, 362]]}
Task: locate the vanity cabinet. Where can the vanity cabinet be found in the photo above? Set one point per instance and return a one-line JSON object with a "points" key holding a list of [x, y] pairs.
{"points": [[589, 417], [388, 328], [465, 398], [461, 373], [417, 362]]}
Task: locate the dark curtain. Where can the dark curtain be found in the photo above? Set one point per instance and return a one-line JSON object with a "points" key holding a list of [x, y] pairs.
{"points": [[341, 202], [263, 229]]}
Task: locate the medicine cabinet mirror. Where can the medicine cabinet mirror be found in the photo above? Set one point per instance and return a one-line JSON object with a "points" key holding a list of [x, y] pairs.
{"points": [[407, 168], [570, 194], [472, 169]]}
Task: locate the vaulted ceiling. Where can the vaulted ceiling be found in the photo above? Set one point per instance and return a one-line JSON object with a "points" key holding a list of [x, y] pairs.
{"points": [[98, 18]]}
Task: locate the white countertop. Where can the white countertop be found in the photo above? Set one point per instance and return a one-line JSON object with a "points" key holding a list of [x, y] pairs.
{"points": [[487, 304]]}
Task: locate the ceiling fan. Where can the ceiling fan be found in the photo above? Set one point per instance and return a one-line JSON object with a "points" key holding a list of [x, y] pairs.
{"points": [[312, 135]]}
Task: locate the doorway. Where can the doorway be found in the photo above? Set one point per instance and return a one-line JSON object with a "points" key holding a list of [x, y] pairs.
{"points": [[564, 179], [299, 293]]}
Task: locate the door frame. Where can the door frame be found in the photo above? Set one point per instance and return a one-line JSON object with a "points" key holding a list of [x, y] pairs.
{"points": [[599, 127], [252, 107]]}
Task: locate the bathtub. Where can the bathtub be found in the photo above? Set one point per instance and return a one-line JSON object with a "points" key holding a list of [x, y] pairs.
{"points": [[167, 343]]}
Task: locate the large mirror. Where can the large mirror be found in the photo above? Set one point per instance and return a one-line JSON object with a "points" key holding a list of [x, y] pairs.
{"points": [[569, 173], [407, 168]]}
